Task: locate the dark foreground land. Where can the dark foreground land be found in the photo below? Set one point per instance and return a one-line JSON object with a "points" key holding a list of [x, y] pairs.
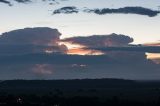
{"points": [[87, 92]]}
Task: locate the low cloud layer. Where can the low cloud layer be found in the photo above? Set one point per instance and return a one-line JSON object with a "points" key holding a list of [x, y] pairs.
{"points": [[149, 49], [76, 67]]}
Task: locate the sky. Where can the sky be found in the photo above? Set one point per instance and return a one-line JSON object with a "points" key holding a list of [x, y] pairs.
{"points": [[78, 39], [39, 14]]}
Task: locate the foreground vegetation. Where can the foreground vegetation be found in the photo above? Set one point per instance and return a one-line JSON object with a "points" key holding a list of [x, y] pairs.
{"points": [[87, 92]]}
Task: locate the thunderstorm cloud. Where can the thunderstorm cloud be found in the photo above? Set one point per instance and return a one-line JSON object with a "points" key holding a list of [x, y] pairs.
{"points": [[22, 56]]}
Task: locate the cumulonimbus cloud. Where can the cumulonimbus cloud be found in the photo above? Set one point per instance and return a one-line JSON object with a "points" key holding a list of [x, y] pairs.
{"points": [[112, 42], [115, 46], [20, 44], [31, 40], [101, 40], [35, 36]]}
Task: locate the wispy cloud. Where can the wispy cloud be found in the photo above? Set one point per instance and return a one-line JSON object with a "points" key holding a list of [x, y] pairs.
{"points": [[6, 2], [104, 11], [99, 11], [23, 1], [10, 2], [66, 10], [125, 10]]}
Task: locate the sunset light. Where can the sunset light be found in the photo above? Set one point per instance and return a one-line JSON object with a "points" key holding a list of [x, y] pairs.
{"points": [[80, 52]]}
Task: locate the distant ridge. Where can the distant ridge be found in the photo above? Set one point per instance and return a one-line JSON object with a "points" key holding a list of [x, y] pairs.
{"points": [[65, 84]]}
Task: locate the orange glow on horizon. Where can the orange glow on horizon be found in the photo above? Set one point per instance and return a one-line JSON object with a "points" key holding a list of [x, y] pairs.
{"points": [[81, 51], [153, 55], [152, 44], [71, 45], [77, 49]]}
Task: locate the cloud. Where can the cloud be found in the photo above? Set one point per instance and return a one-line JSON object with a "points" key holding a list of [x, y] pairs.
{"points": [[156, 60], [125, 10], [10, 2], [31, 49], [31, 40], [6, 2], [66, 10], [115, 46], [35, 36], [72, 9], [23, 1], [56, 66], [57, 59], [136, 48], [100, 40], [42, 69], [24, 57]]}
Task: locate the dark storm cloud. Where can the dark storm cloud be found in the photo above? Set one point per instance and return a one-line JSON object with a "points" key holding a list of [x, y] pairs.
{"points": [[61, 59], [13, 44], [66, 10], [31, 66], [31, 40], [7, 50], [36, 36], [100, 40], [116, 47], [125, 10], [24, 58]]}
